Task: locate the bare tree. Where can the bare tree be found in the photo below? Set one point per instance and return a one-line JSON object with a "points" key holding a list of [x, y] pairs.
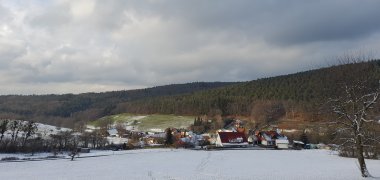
{"points": [[74, 146], [121, 130], [97, 138], [85, 139], [3, 128], [15, 127], [267, 112], [352, 110], [29, 128]]}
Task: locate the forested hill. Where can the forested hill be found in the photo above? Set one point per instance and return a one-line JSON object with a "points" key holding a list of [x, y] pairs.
{"points": [[267, 98], [303, 92], [68, 109]]}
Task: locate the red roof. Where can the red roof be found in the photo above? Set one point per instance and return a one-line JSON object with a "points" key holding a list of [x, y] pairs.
{"points": [[232, 137]]}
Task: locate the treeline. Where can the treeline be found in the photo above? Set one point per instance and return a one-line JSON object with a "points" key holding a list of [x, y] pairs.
{"points": [[69, 110], [16, 135], [303, 92], [24, 136]]}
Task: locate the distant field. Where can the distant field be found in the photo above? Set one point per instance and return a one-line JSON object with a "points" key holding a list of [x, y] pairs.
{"points": [[149, 122]]}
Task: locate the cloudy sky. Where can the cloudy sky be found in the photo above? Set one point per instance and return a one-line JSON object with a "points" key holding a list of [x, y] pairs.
{"points": [[74, 46]]}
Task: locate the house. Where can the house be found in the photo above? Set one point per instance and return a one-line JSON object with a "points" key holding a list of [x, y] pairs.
{"points": [[282, 143], [209, 138], [235, 125], [265, 139], [155, 139], [273, 139], [231, 139]]}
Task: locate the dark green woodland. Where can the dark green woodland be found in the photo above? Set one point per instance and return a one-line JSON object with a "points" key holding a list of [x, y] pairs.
{"points": [[303, 92]]}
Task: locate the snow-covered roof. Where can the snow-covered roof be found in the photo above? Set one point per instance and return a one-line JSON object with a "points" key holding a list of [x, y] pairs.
{"points": [[298, 142], [266, 137], [282, 137], [282, 141], [157, 135], [290, 130], [227, 130]]}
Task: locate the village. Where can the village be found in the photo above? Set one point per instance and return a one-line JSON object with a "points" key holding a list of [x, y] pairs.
{"points": [[202, 134], [232, 136], [175, 153]]}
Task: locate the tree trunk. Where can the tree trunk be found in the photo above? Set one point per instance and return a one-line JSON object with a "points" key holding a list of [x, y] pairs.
{"points": [[359, 147]]}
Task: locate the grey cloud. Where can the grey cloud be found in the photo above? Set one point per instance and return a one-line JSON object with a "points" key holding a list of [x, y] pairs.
{"points": [[287, 22], [4, 13], [54, 17], [327, 21], [9, 51], [116, 44]]}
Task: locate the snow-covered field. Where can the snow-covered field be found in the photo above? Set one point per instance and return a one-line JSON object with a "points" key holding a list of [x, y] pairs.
{"points": [[190, 164]]}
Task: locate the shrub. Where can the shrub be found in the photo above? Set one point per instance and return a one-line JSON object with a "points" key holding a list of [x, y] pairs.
{"points": [[10, 158]]}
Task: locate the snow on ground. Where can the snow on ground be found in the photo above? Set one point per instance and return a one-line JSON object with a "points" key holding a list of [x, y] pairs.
{"points": [[116, 140], [190, 164], [43, 130], [50, 128], [157, 130], [24, 155], [37, 156]]}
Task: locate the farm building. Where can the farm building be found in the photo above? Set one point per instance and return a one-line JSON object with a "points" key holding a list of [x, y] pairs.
{"points": [[231, 139]]}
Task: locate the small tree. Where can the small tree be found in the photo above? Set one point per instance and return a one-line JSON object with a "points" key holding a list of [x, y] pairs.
{"points": [[352, 110], [74, 152], [169, 137], [304, 138]]}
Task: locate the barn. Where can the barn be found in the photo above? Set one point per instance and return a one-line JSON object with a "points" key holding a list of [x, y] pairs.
{"points": [[231, 139]]}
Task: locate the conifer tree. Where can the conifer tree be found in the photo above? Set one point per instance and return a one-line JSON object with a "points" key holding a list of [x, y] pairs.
{"points": [[169, 136]]}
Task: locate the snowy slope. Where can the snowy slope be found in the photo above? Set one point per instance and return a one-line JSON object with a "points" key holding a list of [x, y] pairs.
{"points": [[189, 164], [46, 130], [43, 130]]}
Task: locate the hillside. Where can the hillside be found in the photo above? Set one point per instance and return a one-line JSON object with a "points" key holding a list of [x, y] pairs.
{"points": [[153, 122], [299, 94], [295, 96], [69, 109]]}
